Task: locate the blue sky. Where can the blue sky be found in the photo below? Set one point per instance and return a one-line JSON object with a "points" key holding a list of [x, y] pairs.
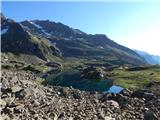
{"points": [[133, 24]]}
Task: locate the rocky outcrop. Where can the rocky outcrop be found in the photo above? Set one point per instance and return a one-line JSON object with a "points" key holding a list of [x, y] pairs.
{"points": [[22, 98], [93, 73]]}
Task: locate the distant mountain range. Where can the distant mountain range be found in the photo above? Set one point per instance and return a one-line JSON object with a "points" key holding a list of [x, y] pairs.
{"points": [[152, 59], [46, 39]]}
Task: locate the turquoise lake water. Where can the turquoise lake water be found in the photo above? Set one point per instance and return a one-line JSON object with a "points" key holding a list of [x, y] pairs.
{"points": [[73, 78]]}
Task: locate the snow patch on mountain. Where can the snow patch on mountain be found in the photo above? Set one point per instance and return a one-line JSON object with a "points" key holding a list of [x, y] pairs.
{"points": [[101, 47], [40, 27], [76, 31], [4, 31], [46, 33], [36, 25], [66, 39]]}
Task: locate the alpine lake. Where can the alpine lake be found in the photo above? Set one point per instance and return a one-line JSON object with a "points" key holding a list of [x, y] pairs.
{"points": [[73, 78]]}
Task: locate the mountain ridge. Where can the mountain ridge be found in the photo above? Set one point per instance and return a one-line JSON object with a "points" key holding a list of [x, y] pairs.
{"points": [[16, 40], [80, 44], [152, 59], [57, 39]]}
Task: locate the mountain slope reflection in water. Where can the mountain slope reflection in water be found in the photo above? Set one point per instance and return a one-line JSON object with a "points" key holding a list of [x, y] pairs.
{"points": [[73, 78]]}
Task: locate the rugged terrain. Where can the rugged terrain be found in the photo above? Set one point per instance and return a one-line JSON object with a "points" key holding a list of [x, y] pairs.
{"points": [[17, 41], [75, 43], [32, 50], [46, 40], [23, 98]]}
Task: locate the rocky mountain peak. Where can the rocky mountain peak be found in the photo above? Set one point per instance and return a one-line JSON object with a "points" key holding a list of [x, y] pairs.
{"points": [[2, 17], [47, 28], [17, 40]]}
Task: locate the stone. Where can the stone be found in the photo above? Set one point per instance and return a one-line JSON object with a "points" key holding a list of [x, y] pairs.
{"points": [[36, 103], [113, 103], [5, 91], [16, 88], [9, 100], [53, 116], [149, 115], [2, 103], [36, 116], [109, 118], [71, 118], [77, 96], [28, 92], [93, 73], [4, 117], [148, 96], [138, 94], [6, 110], [126, 92], [19, 108], [20, 94]]}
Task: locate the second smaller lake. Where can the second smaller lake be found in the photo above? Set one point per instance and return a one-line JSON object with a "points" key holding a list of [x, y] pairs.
{"points": [[115, 89]]}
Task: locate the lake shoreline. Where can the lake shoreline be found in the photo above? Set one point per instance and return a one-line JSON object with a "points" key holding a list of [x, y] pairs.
{"points": [[72, 78]]}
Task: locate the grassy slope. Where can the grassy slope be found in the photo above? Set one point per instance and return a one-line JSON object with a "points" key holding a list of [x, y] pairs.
{"points": [[135, 79], [21, 61], [123, 77], [126, 78]]}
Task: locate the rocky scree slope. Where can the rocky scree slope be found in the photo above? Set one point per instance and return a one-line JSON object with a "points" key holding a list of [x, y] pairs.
{"points": [[23, 98]]}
